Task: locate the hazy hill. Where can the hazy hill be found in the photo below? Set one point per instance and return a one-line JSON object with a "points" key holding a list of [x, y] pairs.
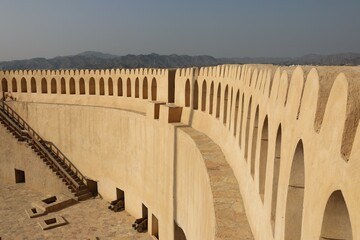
{"points": [[97, 60]]}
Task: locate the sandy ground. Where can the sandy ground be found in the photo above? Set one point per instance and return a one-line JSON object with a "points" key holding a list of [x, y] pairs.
{"points": [[89, 219]]}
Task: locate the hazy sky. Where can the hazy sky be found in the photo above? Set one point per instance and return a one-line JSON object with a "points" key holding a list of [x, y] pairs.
{"points": [[222, 28]]}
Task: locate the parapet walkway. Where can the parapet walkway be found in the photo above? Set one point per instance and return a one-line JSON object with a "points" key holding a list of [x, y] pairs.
{"points": [[231, 220], [88, 219]]}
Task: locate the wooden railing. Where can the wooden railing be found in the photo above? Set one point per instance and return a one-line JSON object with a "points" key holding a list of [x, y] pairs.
{"points": [[24, 130], [63, 158]]}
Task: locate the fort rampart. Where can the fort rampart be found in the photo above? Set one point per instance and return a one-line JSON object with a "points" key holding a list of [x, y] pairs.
{"points": [[225, 152]]}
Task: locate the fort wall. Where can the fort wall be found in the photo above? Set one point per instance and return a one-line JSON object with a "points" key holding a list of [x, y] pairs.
{"points": [[289, 135]]}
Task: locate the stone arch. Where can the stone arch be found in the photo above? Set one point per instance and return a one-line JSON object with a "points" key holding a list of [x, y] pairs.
{"points": [[33, 85], [53, 86], [196, 96], [82, 86], [110, 87], [153, 90], [128, 87], [4, 85], [275, 182], [137, 88], [236, 111], [230, 109], [187, 93], [145, 88], [14, 85], [203, 96], [23, 85], [254, 141], [72, 86], [295, 195], [263, 157], [218, 100], [211, 98], [102, 86], [225, 103], [43, 85], [63, 86], [179, 233], [92, 89], [120, 87], [248, 117], [336, 221], [241, 119]]}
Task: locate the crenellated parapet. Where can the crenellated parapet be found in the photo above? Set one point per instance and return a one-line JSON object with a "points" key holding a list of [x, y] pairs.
{"points": [[312, 113], [290, 134], [78, 85]]}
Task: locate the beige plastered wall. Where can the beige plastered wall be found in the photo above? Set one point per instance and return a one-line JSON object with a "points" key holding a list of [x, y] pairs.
{"points": [[316, 106], [123, 146]]}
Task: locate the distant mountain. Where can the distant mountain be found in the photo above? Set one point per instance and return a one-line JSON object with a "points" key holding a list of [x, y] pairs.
{"points": [[335, 59], [98, 60], [341, 59], [97, 55]]}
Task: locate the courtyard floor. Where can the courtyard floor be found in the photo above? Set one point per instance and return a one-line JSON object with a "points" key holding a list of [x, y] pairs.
{"points": [[90, 219]]}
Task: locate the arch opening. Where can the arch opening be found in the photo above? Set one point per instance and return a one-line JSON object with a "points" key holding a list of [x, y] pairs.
{"points": [[23, 85], [153, 90], [225, 104], [102, 87], [82, 86], [254, 141], [33, 85], [14, 85], [230, 109], [196, 96], [72, 86], [145, 88], [211, 98], [275, 182], [263, 158], [92, 86], [137, 91], [187, 93], [248, 117], [110, 87], [63, 86], [43, 85], [295, 196], [178, 232], [218, 99], [120, 87], [53, 86], [236, 112], [128, 87], [4, 85], [203, 96], [241, 120], [336, 221]]}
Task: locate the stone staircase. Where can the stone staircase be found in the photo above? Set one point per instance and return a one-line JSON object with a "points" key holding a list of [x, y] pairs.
{"points": [[47, 152]]}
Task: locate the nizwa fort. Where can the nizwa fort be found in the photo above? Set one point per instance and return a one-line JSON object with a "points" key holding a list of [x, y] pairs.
{"points": [[226, 152]]}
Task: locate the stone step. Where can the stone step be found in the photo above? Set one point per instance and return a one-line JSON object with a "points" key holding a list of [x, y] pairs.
{"points": [[81, 192], [84, 196]]}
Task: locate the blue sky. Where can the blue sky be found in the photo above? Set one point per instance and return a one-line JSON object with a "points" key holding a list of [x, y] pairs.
{"points": [[228, 28]]}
